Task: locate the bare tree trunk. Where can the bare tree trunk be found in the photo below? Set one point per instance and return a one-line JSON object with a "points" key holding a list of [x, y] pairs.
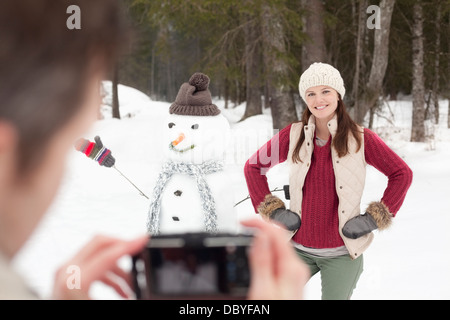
{"points": [[226, 90], [252, 70], [237, 92], [314, 49], [115, 93], [373, 89], [418, 87], [359, 51], [282, 104], [152, 74], [266, 95], [448, 78], [448, 116], [437, 45]]}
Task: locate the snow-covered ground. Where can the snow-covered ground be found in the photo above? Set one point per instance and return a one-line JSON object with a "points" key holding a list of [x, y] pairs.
{"points": [[409, 261]]}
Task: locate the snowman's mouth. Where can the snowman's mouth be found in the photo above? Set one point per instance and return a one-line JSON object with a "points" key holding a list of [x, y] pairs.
{"points": [[172, 147]]}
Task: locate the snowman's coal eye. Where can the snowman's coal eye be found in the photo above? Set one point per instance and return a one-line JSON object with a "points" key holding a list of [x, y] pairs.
{"points": [[171, 125], [194, 126]]}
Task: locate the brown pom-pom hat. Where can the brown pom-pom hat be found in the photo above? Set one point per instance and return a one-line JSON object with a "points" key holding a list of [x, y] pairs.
{"points": [[194, 98]]}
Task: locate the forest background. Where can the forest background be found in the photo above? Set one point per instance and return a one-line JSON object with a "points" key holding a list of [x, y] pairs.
{"points": [[255, 51]]}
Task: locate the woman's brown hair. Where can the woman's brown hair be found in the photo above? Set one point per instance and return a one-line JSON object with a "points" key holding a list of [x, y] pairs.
{"points": [[340, 141]]}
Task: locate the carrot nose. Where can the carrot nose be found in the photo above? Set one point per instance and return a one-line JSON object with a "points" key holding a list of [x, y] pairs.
{"points": [[178, 140]]}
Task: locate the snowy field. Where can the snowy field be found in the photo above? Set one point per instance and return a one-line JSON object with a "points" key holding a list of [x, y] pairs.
{"points": [[409, 261]]}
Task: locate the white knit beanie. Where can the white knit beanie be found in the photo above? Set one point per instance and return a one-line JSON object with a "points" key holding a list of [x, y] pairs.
{"points": [[321, 74]]}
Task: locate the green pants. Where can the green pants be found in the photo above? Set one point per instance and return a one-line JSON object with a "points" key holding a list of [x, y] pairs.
{"points": [[339, 275]]}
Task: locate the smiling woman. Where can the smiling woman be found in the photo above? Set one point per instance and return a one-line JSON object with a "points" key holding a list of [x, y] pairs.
{"points": [[322, 101], [334, 107], [327, 153]]}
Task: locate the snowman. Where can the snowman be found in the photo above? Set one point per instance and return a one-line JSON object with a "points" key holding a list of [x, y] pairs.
{"points": [[193, 192]]}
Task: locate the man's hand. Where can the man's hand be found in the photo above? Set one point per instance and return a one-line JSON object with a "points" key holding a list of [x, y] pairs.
{"points": [[97, 261], [276, 270]]}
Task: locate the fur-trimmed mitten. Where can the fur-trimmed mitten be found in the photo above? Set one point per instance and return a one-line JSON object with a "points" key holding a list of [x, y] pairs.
{"points": [[377, 216], [273, 208]]}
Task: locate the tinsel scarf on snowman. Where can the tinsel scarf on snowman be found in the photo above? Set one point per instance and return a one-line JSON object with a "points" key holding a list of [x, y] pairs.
{"points": [[198, 172]]}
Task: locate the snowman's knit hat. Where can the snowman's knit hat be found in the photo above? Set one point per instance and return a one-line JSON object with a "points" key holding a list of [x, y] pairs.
{"points": [[194, 98]]}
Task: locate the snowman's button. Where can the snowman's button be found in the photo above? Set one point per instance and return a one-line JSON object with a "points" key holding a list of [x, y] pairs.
{"points": [[178, 193], [174, 218]]}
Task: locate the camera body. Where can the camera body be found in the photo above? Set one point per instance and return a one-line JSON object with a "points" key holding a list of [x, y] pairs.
{"points": [[193, 265]]}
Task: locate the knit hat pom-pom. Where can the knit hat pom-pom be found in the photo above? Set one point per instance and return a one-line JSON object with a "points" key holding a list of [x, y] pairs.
{"points": [[200, 81]]}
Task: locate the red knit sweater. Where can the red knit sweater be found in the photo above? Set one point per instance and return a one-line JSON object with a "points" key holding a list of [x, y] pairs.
{"points": [[320, 224]]}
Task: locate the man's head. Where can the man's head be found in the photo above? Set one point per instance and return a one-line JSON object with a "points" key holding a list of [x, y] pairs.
{"points": [[49, 96]]}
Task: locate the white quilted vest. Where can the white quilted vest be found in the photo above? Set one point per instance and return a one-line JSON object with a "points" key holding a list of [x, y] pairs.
{"points": [[350, 175]]}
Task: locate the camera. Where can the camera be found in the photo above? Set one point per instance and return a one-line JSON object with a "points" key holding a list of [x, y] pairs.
{"points": [[193, 265]]}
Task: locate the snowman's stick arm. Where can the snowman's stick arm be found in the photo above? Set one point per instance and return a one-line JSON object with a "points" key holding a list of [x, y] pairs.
{"points": [[248, 197], [96, 151], [142, 194]]}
